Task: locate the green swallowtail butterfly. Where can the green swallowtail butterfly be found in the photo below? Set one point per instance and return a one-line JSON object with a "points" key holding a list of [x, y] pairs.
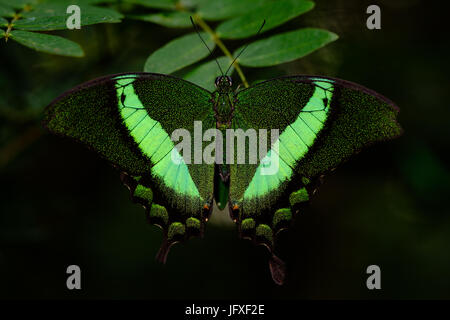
{"points": [[129, 118]]}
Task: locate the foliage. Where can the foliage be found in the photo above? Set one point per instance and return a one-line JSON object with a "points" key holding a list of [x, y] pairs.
{"points": [[240, 19], [19, 19]]}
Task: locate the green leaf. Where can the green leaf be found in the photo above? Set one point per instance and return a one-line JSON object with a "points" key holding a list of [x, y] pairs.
{"points": [[285, 47], [192, 4], [78, 2], [3, 22], [60, 9], [179, 53], [167, 19], [18, 4], [158, 4], [47, 43], [2, 32], [206, 74], [275, 14], [6, 11], [54, 17], [224, 9]]}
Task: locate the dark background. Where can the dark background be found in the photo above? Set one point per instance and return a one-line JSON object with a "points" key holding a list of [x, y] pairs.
{"points": [[61, 205]]}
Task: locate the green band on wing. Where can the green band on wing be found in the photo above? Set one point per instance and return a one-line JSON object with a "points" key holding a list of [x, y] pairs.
{"points": [[294, 142], [153, 140]]}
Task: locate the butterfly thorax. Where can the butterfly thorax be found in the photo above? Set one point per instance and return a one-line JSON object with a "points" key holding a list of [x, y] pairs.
{"points": [[223, 102], [223, 110]]}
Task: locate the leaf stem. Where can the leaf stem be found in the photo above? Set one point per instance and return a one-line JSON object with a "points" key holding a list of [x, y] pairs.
{"points": [[16, 17], [221, 45], [8, 31]]}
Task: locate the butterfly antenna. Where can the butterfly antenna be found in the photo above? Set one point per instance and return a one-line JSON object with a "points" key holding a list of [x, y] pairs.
{"points": [[243, 49], [198, 32]]}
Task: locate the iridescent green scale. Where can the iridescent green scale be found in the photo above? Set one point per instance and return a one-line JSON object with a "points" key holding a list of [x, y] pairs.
{"points": [[294, 142], [129, 120], [153, 140]]}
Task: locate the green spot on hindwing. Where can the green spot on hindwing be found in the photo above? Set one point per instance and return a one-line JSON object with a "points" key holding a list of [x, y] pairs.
{"points": [[193, 223], [281, 216], [298, 196], [176, 230], [248, 224], [158, 212], [143, 193], [264, 232]]}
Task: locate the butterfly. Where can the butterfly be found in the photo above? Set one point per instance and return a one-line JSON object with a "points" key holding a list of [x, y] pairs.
{"points": [[129, 118]]}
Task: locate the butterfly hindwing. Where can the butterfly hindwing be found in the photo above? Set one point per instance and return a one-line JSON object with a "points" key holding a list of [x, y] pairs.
{"points": [[129, 119], [321, 122]]}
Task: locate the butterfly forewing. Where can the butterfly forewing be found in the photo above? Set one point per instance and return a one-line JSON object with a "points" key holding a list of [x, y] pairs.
{"points": [[321, 122], [129, 120]]}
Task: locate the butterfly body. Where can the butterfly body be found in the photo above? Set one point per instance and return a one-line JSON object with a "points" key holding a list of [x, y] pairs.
{"points": [[312, 124], [223, 109]]}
